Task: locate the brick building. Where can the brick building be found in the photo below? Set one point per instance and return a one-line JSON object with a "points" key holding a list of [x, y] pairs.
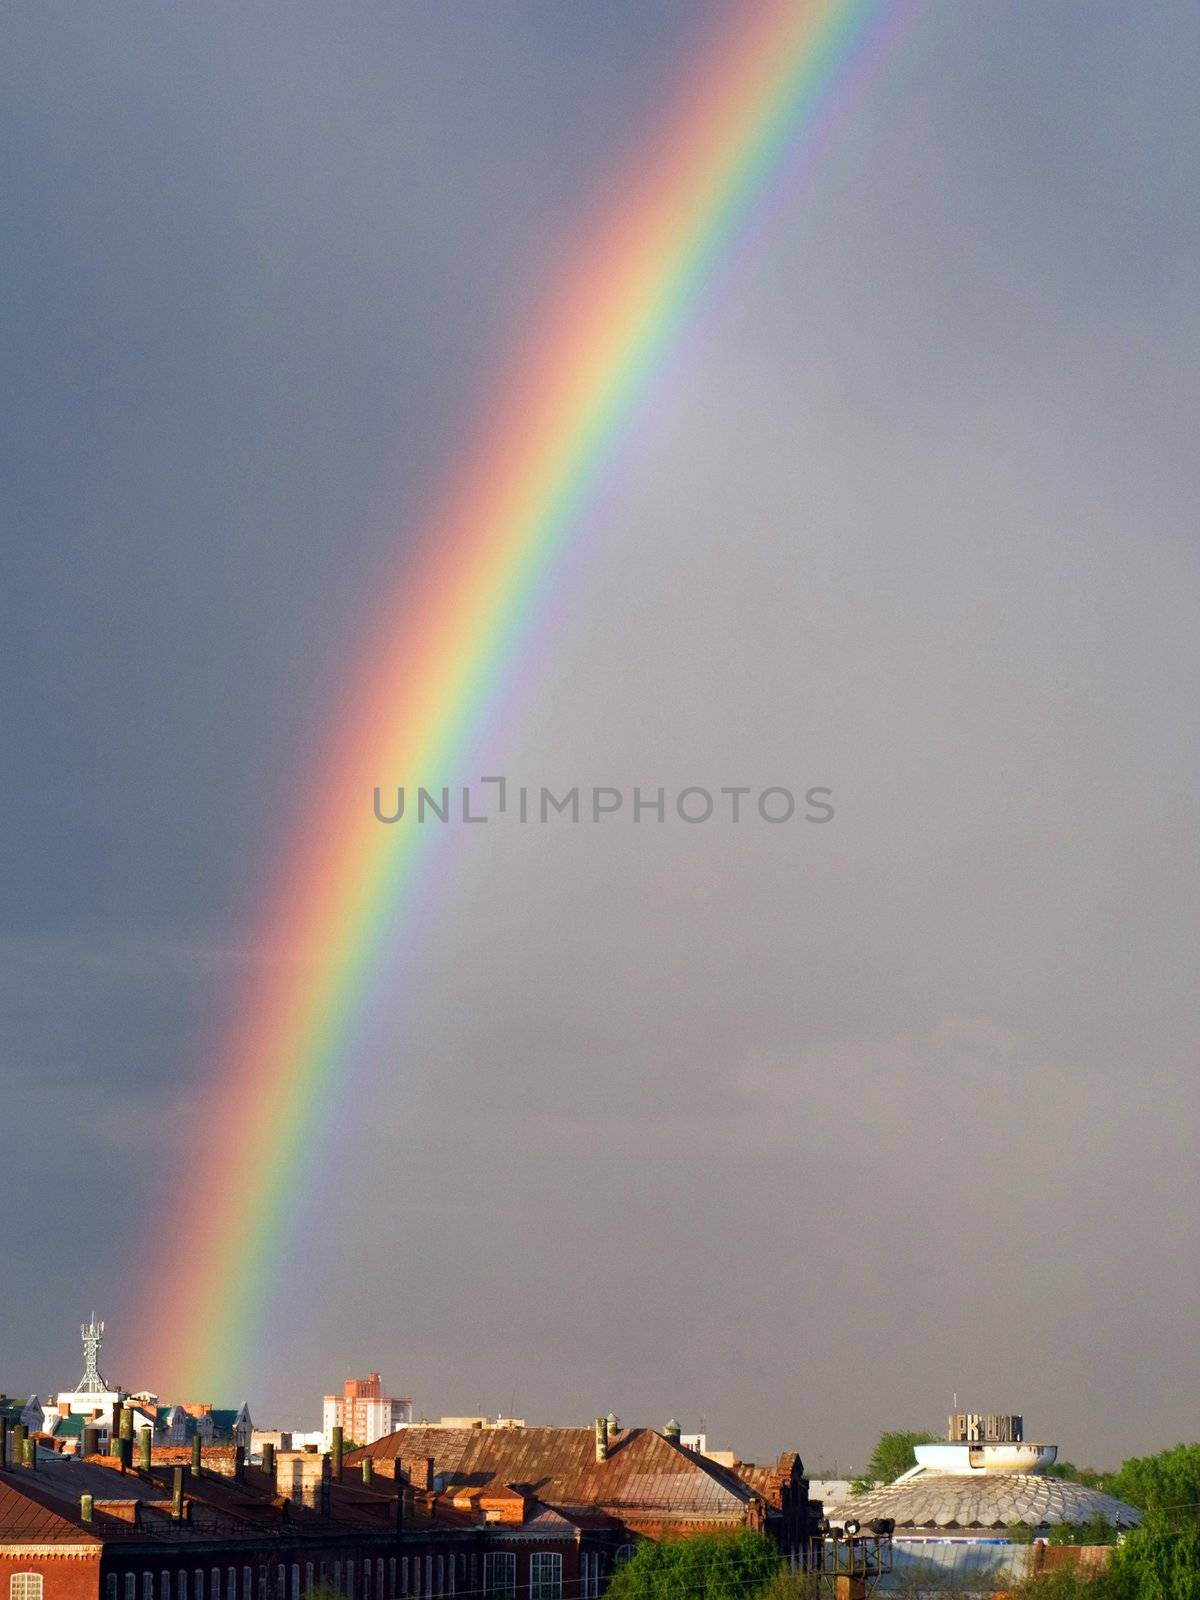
{"points": [[76, 1529], [520, 1514], [556, 1509]]}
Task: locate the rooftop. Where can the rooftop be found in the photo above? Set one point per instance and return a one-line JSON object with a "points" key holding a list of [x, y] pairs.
{"points": [[986, 1500]]}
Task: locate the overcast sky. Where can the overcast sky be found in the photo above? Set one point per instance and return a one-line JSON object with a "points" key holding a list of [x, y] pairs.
{"points": [[798, 1129]]}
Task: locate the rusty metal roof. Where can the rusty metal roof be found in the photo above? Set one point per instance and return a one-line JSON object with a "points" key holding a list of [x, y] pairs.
{"points": [[558, 1466]]}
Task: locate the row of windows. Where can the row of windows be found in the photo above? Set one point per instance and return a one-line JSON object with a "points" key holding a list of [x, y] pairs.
{"points": [[428, 1577], [432, 1577]]}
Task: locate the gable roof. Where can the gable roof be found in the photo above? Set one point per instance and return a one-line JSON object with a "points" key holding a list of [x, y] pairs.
{"points": [[558, 1466]]}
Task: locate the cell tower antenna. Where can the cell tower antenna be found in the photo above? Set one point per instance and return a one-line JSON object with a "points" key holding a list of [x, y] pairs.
{"points": [[92, 1334]]}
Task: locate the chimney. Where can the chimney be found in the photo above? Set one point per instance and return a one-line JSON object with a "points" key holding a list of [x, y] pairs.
{"points": [[326, 1487], [673, 1431], [145, 1449], [268, 1458], [18, 1443], [124, 1452], [91, 1440], [127, 1423], [177, 1494], [64, 1408], [86, 1507], [239, 1462], [3, 1442], [401, 1491], [336, 1443], [601, 1439], [197, 1460], [29, 1453], [368, 1472], [118, 1412]]}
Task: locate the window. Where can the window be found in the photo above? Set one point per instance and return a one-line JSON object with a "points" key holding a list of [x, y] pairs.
{"points": [[164, 1585], [110, 1587], [500, 1574], [404, 1575], [545, 1575], [295, 1580], [379, 1579], [450, 1573], [309, 1572], [199, 1584], [416, 1588], [441, 1576], [280, 1583], [25, 1586], [366, 1580], [231, 1583], [247, 1583], [391, 1577], [131, 1586], [350, 1590]]}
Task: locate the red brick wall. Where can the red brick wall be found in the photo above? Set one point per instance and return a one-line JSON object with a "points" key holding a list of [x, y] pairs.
{"points": [[64, 1576]]}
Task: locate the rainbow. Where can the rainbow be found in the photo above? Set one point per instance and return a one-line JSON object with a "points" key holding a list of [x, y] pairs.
{"points": [[447, 635]]}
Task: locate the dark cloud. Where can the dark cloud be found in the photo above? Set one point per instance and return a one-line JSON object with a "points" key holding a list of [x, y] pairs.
{"points": [[801, 1129]]}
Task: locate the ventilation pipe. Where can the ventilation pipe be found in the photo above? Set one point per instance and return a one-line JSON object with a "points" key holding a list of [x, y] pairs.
{"points": [[29, 1453], [601, 1439], [177, 1494], [268, 1459], [673, 1431], [145, 1449], [127, 1424], [368, 1470], [196, 1456], [87, 1506], [337, 1449]]}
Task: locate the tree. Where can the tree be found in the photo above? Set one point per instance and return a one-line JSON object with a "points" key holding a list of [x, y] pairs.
{"points": [[893, 1455], [1167, 1482], [711, 1566]]}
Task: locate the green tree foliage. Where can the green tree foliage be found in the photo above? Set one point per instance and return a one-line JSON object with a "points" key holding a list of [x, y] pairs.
{"points": [[1088, 1476], [893, 1455], [1155, 1563], [1168, 1482], [735, 1566], [1097, 1530]]}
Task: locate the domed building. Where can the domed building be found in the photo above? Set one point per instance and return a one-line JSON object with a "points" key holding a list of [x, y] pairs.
{"points": [[966, 1504]]}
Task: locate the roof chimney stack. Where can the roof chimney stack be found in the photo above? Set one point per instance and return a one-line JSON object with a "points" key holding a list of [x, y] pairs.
{"points": [[601, 1439], [673, 1431]]}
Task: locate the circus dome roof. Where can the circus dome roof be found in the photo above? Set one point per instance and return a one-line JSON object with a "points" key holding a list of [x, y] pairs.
{"points": [[985, 1500]]}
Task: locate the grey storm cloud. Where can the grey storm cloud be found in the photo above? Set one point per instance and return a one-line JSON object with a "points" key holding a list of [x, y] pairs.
{"points": [[798, 1129]]}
